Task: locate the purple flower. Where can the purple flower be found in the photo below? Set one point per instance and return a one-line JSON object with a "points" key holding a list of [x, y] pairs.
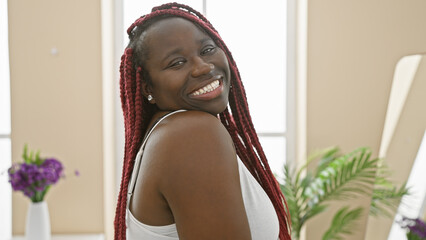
{"points": [[414, 226], [35, 176], [51, 170]]}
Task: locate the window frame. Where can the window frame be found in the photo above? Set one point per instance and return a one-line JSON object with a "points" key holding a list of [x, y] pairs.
{"points": [[5, 188]]}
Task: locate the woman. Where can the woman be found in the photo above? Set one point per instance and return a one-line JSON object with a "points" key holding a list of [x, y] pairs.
{"points": [[181, 175]]}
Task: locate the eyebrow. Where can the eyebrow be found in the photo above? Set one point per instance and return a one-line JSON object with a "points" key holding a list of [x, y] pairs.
{"points": [[205, 39], [172, 52], [176, 50]]}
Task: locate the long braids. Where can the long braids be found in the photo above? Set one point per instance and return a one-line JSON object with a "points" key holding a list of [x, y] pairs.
{"points": [[138, 112]]}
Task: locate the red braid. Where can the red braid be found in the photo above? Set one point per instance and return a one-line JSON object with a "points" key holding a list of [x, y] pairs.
{"points": [[138, 112]]}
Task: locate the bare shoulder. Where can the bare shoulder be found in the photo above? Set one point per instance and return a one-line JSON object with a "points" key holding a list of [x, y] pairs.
{"points": [[193, 123], [189, 133], [190, 140], [199, 176]]}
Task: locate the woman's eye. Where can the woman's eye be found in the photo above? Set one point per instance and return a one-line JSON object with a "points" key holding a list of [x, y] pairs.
{"points": [[208, 50], [176, 63]]}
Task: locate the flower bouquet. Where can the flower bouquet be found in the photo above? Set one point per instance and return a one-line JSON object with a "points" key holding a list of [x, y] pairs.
{"points": [[416, 228], [35, 175]]}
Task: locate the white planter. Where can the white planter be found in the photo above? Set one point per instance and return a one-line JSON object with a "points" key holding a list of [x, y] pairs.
{"points": [[38, 222]]}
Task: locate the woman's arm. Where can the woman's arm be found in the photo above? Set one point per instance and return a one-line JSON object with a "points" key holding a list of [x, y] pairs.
{"points": [[201, 181]]}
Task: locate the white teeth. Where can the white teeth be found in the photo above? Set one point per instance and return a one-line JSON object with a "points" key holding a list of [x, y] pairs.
{"points": [[212, 86]]}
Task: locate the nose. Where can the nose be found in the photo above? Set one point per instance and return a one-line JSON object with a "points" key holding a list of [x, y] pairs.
{"points": [[201, 67]]}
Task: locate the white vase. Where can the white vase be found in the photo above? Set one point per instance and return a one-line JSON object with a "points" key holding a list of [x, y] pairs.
{"points": [[38, 222]]}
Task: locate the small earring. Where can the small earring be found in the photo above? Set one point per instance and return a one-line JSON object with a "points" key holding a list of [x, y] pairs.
{"points": [[150, 97]]}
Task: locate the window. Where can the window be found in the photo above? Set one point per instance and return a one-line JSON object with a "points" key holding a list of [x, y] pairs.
{"points": [[256, 36], [5, 146], [255, 33]]}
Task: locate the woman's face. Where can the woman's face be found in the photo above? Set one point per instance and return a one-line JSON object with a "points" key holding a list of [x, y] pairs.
{"points": [[187, 69]]}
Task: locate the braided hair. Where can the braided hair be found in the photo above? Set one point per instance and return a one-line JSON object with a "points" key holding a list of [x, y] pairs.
{"points": [[138, 112]]}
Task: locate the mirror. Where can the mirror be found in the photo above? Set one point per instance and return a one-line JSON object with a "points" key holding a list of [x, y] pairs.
{"points": [[404, 140]]}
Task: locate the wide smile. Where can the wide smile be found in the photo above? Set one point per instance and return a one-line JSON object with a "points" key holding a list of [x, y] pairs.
{"points": [[208, 91], [208, 88]]}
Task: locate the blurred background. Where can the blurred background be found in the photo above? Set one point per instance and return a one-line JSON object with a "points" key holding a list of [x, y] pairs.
{"points": [[317, 74]]}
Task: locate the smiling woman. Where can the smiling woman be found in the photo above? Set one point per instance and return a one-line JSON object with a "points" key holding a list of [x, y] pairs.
{"points": [[193, 165], [267, 40]]}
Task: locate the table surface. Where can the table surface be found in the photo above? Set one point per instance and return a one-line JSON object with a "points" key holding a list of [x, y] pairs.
{"points": [[69, 237]]}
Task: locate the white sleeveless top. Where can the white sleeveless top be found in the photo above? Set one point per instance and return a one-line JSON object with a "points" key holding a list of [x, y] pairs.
{"points": [[261, 215]]}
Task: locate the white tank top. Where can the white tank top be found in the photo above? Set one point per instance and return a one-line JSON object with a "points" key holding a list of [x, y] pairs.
{"points": [[261, 215]]}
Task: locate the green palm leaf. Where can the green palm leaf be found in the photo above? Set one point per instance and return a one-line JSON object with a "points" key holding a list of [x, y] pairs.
{"points": [[338, 179], [289, 190], [342, 223], [385, 200]]}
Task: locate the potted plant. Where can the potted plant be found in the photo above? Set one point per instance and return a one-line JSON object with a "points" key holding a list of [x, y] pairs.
{"points": [[34, 177], [338, 177]]}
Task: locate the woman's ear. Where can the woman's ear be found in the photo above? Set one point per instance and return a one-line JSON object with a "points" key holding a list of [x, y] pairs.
{"points": [[147, 92]]}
